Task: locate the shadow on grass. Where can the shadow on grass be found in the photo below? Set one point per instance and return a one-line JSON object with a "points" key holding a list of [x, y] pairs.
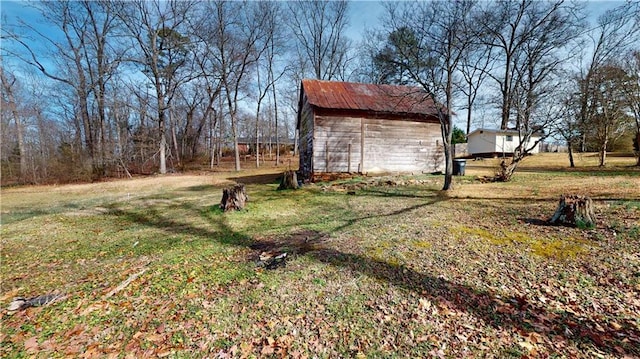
{"points": [[585, 171], [536, 221], [515, 312], [201, 188], [26, 213], [257, 179], [519, 313], [404, 192]]}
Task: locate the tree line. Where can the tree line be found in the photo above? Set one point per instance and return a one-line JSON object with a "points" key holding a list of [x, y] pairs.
{"points": [[115, 88]]}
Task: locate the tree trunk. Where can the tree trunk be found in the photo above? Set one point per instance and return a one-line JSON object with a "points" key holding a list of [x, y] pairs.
{"points": [[174, 139], [289, 180], [637, 145], [212, 147], [603, 154], [275, 114], [570, 149], [506, 170], [19, 131], [233, 198], [574, 211]]}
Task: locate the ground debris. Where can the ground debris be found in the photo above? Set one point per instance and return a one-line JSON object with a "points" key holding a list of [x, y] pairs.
{"points": [[125, 283], [20, 303], [271, 260]]}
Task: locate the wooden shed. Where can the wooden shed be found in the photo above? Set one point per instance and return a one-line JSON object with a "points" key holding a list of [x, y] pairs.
{"points": [[367, 128]]}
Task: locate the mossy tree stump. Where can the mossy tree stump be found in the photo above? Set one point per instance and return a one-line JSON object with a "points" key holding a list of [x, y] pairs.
{"points": [[574, 211], [289, 180], [234, 198]]}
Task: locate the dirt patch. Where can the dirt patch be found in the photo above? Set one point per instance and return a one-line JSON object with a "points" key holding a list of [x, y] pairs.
{"points": [[298, 243]]}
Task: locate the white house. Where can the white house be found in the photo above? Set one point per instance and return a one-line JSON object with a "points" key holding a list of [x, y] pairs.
{"points": [[495, 142]]}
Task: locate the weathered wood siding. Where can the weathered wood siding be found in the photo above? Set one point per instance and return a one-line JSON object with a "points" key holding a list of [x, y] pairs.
{"points": [[402, 146], [305, 143], [337, 144], [350, 144]]}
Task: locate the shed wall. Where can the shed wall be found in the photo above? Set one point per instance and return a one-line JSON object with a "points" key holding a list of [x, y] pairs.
{"points": [[484, 142], [497, 142], [402, 146], [305, 144], [352, 144], [337, 143]]}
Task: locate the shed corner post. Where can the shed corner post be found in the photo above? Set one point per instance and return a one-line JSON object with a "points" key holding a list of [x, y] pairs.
{"points": [[349, 158], [362, 134]]}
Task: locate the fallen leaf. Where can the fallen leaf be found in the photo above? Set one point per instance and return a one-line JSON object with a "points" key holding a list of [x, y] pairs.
{"points": [[31, 345], [267, 350], [527, 345]]}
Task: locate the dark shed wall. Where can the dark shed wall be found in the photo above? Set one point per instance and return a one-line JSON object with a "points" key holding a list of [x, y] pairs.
{"points": [[306, 139]]}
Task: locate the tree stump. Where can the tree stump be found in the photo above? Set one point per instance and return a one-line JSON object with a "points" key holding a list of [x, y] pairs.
{"points": [[289, 180], [574, 211], [233, 198]]}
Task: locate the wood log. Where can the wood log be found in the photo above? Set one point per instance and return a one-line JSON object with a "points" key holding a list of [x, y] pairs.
{"points": [[574, 211], [234, 198], [289, 180]]}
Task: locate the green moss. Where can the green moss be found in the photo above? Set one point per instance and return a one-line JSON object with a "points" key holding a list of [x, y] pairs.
{"points": [[557, 249], [544, 247], [422, 244]]}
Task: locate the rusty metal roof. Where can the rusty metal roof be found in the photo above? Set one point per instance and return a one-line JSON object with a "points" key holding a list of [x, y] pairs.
{"points": [[380, 99]]}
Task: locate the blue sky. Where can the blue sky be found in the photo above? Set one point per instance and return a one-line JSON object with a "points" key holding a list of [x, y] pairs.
{"points": [[363, 15], [366, 14]]}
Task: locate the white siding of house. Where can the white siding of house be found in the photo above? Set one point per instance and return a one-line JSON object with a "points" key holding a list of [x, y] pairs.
{"points": [[487, 141], [505, 143], [484, 142]]}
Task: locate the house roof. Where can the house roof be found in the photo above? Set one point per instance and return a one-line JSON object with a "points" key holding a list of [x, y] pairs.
{"points": [[370, 98], [498, 131]]}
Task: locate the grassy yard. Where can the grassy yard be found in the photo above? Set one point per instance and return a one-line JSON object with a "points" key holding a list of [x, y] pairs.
{"points": [[399, 269]]}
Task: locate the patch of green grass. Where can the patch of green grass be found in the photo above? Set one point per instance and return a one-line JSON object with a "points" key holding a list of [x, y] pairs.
{"points": [[584, 225], [629, 205], [394, 271]]}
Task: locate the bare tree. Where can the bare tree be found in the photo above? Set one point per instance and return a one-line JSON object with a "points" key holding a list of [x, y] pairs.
{"points": [[608, 106], [475, 66], [162, 49], [428, 43], [9, 84], [267, 75], [632, 96], [84, 63], [319, 27], [567, 125], [617, 30], [236, 40], [521, 34], [530, 41]]}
